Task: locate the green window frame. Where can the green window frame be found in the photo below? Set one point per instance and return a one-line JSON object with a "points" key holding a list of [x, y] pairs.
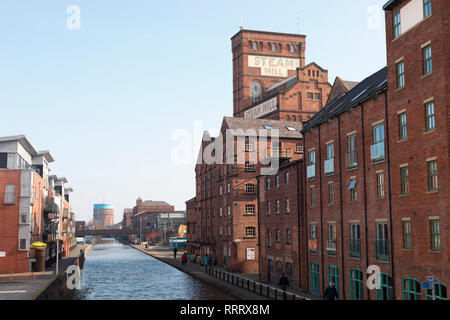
{"points": [[400, 74], [314, 286], [427, 60], [386, 290], [333, 276], [411, 289], [427, 11], [440, 292], [356, 284]]}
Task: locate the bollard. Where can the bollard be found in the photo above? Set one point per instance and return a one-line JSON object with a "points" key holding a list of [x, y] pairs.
{"points": [[276, 294]]}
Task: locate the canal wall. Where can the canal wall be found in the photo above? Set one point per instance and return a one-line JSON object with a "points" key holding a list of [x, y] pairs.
{"points": [[198, 272], [56, 287]]}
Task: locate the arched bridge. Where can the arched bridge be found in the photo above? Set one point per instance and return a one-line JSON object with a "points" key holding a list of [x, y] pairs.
{"points": [[106, 232]]}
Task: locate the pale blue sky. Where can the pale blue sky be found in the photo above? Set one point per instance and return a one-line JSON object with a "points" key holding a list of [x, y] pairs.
{"points": [[105, 99]]}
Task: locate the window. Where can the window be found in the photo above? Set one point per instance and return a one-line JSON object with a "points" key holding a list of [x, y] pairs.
{"points": [[377, 149], [288, 236], [289, 272], [256, 92], [317, 96], [427, 8], [220, 190], [406, 234], [313, 197], [435, 235], [249, 146], [250, 188], [269, 238], [228, 188], [277, 181], [411, 289], [10, 194], [23, 244], [314, 271], [268, 208], [355, 240], [380, 185], [382, 242], [312, 243], [310, 95], [279, 269], [400, 74], [249, 166], [286, 177], [269, 269], [432, 176], [427, 61], [220, 211], [312, 157], [330, 193], [331, 245], [440, 292], [397, 25], [288, 206], [277, 207], [404, 180], [352, 160], [330, 151], [255, 45], [403, 134], [277, 235], [352, 188], [292, 48], [430, 123], [250, 232], [298, 148], [274, 47], [333, 276], [356, 284], [250, 209], [385, 292], [268, 184], [229, 210]]}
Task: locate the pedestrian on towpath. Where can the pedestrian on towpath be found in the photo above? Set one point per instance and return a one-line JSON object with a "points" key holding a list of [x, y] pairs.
{"points": [[331, 292], [175, 252], [187, 257], [205, 261], [283, 282]]}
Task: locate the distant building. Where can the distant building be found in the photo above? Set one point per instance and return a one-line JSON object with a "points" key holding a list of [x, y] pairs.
{"points": [[103, 215], [127, 215], [80, 225]]}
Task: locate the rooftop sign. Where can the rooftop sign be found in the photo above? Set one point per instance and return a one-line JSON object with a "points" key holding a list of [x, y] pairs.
{"points": [[262, 109], [273, 66]]}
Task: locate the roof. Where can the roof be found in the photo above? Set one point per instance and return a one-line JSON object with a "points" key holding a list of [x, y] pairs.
{"points": [[350, 84], [128, 210], [22, 139], [103, 206], [46, 154], [269, 32], [151, 203], [391, 3], [190, 200], [259, 126], [56, 178], [157, 212], [365, 90]]}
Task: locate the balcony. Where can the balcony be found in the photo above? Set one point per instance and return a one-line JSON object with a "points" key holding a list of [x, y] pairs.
{"points": [[377, 151], [329, 166], [352, 159], [382, 250], [355, 248], [10, 198], [311, 171], [331, 247]]}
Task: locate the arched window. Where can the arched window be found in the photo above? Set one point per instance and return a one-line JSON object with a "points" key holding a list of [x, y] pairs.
{"points": [[255, 45], [356, 284], [288, 118], [294, 118], [274, 47], [255, 92], [333, 276], [280, 47], [411, 289], [292, 48], [385, 293], [288, 47], [261, 46]]}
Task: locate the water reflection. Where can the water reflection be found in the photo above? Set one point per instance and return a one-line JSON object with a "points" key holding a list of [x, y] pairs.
{"points": [[116, 271]]}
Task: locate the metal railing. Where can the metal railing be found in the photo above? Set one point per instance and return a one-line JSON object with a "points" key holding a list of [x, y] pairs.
{"points": [[252, 286], [311, 171], [377, 151], [355, 248], [382, 250], [329, 166]]}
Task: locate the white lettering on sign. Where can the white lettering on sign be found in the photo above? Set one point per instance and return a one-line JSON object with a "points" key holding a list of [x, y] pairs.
{"points": [[251, 253], [273, 66], [262, 109]]}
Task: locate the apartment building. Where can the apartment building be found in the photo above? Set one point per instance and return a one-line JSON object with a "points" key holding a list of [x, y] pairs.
{"points": [[29, 207]]}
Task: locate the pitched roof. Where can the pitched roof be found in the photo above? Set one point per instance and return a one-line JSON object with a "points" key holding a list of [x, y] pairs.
{"points": [[261, 126], [366, 89], [151, 203]]}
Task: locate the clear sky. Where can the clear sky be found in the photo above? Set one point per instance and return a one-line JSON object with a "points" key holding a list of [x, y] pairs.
{"points": [[106, 99]]}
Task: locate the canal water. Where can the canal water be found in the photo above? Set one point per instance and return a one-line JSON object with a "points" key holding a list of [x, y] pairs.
{"points": [[113, 271]]}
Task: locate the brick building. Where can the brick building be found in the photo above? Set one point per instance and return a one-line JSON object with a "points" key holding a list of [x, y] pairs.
{"points": [[32, 208], [281, 225]]}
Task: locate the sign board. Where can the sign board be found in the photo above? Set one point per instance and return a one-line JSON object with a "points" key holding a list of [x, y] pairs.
{"points": [[262, 109], [172, 215], [251, 253], [430, 278], [273, 66], [426, 285], [2, 254]]}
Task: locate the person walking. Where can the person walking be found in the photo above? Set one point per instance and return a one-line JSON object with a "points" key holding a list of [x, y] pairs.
{"points": [[175, 252], [283, 282], [183, 259], [331, 292], [205, 261], [187, 257]]}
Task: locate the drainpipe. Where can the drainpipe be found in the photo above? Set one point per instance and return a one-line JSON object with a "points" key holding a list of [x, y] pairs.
{"points": [[342, 221], [305, 207], [258, 245], [390, 192], [365, 192], [299, 225], [321, 211]]}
